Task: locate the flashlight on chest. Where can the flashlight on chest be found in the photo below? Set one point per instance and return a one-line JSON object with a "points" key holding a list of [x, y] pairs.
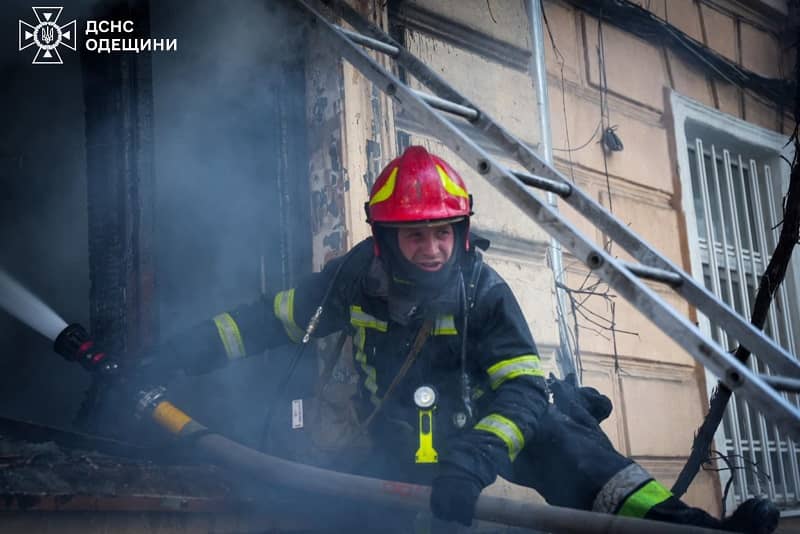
{"points": [[425, 399]]}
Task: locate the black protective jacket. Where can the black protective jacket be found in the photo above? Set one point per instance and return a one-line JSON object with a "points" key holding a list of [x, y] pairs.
{"points": [[507, 384]]}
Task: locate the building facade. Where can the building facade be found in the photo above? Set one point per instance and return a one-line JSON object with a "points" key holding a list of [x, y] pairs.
{"points": [[665, 110]]}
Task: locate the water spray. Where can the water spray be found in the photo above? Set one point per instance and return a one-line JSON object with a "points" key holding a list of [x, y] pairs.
{"points": [[70, 341], [28, 308]]}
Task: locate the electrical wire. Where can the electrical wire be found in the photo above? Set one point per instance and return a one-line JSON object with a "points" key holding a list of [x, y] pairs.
{"points": [[762, 477], [583, 145], [640, 22]]}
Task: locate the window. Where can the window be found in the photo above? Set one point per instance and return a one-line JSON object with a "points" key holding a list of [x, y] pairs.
{"points": [[733, 181]]}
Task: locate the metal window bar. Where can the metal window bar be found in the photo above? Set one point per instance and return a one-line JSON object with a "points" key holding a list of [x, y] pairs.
{"points": [[736, 376], [778, 456], [747, 249], [711, 239], [783, 304], [757, 266], [773, 322], [744, 298]]}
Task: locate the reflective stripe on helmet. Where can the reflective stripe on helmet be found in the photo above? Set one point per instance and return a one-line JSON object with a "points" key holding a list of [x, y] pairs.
{"points": [[359, 317], [449, 185], [283, 307], [417, 187], [370, 381], [386, 189], [631, 492], [445, 325], [514, 367], [230, 336], [506, 430]]}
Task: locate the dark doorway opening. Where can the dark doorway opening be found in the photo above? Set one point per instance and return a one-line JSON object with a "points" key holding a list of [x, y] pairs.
{"points": [[200, 152]]}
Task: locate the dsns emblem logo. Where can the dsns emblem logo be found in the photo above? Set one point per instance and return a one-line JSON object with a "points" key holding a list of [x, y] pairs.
{"points": [[47, 35]]}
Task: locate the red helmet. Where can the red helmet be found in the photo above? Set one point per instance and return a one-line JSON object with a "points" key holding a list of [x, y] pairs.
{"points": [[418, 187]]}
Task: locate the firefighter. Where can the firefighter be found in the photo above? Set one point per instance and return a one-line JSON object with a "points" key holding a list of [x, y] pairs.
{"points": [[425, 314], [451, 390]]}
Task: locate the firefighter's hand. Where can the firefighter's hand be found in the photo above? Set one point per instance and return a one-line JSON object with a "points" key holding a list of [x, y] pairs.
{"points": [[454, 494], [585, 405]]}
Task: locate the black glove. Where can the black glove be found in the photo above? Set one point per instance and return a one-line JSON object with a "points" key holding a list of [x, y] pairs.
{"points": [[454, 494], [585, 405], [754, 516]]}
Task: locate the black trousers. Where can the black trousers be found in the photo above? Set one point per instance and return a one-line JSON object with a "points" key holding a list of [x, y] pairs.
{"points": [[569, 464]]}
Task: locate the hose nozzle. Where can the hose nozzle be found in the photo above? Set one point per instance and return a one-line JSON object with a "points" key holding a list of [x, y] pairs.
{"points": [[75, 345]]}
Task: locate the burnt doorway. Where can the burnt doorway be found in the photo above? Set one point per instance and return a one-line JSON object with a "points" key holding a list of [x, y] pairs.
{"points": [[140, 193]]}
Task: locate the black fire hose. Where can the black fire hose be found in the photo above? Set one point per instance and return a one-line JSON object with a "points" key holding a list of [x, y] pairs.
{"points": [[75, 345], [415, 497], [412, 497]]}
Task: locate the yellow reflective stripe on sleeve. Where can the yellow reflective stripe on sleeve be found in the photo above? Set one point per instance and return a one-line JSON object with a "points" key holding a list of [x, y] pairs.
{"points": [[370, 382], [360, 318], [643, 499], [230, 336], [445, 325], [386, 189], [283, 307], [514, 367], [505, 429], [449, 185]]}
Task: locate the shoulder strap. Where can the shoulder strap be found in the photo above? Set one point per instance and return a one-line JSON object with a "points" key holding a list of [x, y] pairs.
{"points": [[472, 287], [422, 335]]}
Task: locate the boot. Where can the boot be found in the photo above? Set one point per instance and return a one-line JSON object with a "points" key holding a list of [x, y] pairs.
{"points": [[753, 516]]}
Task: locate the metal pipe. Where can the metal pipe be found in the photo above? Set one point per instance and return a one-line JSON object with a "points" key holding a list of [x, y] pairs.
{"points": [[369, 42], [538, 182], [652, 273], [450, 107], [539, 69], [782, 383], [540, 80]]}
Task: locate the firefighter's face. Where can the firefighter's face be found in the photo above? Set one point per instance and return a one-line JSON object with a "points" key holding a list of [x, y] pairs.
{"points": [[427, 248]]}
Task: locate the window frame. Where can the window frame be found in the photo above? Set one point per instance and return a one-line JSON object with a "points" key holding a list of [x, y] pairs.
{"points": [[686, 111]]}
